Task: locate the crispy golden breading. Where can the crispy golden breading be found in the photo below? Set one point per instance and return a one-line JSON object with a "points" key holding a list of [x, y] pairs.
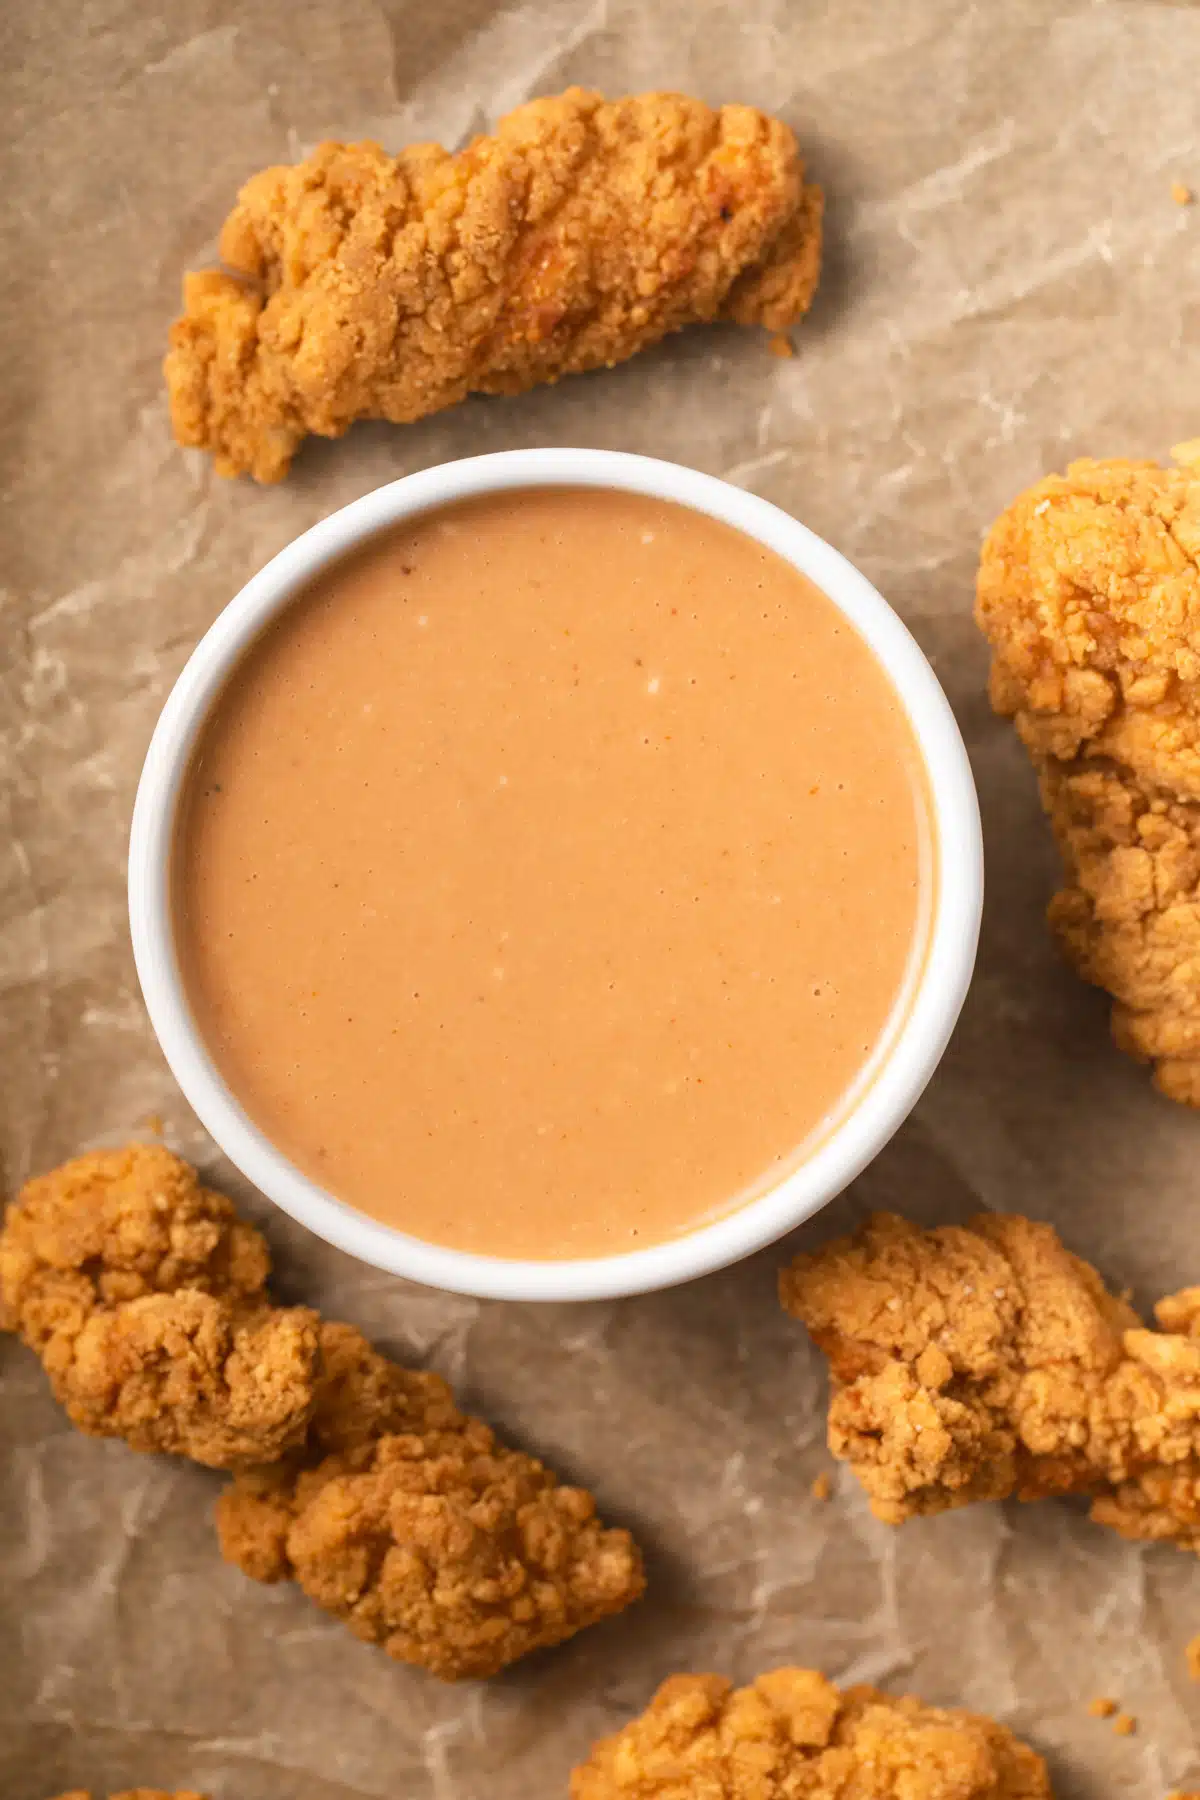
{"points": [[142, 1793], [1089, 594], [370, 286], [792, 1735], [409, 1521], [145, 1297], [973, 1362]]}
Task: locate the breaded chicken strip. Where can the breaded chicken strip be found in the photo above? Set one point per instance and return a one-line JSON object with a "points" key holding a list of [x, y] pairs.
{"points": [[145, 1297], [141, 1793], [793, 1736], [409, 1521], [1089, 594], [374, 287], [974, 1362]]}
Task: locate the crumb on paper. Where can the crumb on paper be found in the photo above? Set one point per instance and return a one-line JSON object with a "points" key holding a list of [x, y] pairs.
{"points": [[780, 345], [1181, 193], [1192, 1656], [1124, 1724], [1102, 1707], [153, 1122], [822, 1487]]}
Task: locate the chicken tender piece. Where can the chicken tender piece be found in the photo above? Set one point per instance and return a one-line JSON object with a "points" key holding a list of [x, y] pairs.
{"points": [[142, 1793], [366, 286], [1089, 594], [792, 1733], [974, 1362], [409, 1521], [144, 1296]]}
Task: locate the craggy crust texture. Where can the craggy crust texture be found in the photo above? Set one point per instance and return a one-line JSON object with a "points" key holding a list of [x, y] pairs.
{"points": [[409, 1521], [973, 1362], [144, 1295], [793, 1736], [1089, 594], [370, 286], [141, 1793]]}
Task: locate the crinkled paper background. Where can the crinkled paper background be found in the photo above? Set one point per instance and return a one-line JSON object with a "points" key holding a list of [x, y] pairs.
{"points": [[1009, 283]]}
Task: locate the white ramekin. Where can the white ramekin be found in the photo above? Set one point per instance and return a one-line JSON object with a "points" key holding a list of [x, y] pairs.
{"points": [[919, 1036]]}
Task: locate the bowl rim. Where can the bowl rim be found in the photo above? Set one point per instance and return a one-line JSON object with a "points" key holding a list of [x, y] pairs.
{"points": [[919, 1039]]}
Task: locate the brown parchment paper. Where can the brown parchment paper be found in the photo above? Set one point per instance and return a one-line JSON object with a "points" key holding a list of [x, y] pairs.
{"points": [[1008, 283]]}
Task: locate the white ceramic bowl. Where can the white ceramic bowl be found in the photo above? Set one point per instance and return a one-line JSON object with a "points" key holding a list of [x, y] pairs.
{"points": [[909, 1052]]}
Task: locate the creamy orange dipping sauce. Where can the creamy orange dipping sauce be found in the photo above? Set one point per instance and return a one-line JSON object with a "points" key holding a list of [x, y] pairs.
{"points": [[547, 875]]}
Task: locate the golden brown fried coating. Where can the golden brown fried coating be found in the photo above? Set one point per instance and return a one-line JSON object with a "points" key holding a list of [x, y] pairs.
{"points": [[370, 286], [1089, 594], [409, 1521], [141, 1793], [792, 1735], [973, 1362], [145, 1297]]}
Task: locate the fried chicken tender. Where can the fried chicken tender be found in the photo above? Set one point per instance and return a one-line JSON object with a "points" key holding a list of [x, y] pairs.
{"points": [[792, 1735], [974, 1362], [409, 1521], [1089, 594], [141, 1793], [584, 230], [144, 1296]]}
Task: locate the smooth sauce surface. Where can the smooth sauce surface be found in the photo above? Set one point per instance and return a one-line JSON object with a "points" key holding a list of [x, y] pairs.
{"points": [[546, 875]]}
